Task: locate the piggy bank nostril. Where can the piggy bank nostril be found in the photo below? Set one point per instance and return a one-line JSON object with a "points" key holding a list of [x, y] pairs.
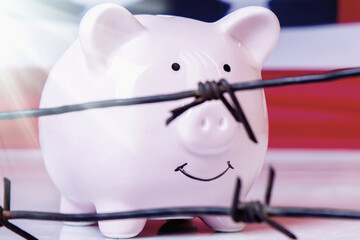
{"points": [[205, 124], [222, 123]]}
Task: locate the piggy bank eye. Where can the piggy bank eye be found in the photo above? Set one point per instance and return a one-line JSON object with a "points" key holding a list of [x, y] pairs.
{"points": [[227, 68], [175, 66]]}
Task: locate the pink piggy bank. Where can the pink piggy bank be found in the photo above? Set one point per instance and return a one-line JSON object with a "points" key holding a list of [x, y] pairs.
{"points": [[126, 158]]}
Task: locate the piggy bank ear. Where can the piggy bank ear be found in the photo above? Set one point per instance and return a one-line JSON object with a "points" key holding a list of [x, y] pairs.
{"points": [[257, 29], [105, 28]]}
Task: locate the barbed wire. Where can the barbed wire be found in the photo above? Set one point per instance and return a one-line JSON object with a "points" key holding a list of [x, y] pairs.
{"points": [[247, 212]]}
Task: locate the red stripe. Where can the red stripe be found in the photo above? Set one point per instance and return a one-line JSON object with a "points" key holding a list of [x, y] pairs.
{"points": [[323, 115], [348, 11]]}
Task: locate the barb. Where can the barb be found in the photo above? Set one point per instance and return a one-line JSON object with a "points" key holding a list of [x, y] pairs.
{"points": [[4, 220], [18, 231], [270, 185], [278, 227], [213, 91], [238, 110], [257, 212], [7, 193]]}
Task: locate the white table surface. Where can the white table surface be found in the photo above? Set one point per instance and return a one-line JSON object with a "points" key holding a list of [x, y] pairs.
{"points": [[327, 179]]}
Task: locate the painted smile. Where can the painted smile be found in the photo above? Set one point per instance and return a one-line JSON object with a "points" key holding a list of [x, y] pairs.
{"points": [[181, 169]]}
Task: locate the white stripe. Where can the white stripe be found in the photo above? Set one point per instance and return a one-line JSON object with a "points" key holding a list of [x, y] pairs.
{"points": [[313, 160], [317, 47], [236, 4]]}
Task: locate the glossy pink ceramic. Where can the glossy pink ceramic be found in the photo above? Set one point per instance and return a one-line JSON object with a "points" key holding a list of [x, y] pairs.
{"points": [[124, 158]]}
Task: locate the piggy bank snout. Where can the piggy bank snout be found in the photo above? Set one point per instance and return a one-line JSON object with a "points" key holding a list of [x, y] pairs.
{"points": [[207, 129]]}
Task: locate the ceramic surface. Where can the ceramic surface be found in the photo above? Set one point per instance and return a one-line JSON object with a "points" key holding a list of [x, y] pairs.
{"points": [[124, 158]]}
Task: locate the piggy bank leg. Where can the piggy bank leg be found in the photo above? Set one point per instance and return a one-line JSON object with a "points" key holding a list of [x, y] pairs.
{"points": [[222, 224], [74, 206], [125, 228]]}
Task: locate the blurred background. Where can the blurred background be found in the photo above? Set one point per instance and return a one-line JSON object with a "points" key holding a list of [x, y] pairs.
{"points": [[314, 140], [316, 36]]}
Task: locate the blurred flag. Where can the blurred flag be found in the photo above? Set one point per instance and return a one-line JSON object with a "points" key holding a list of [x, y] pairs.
{"points": [[36, 32], [307, 12]]}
